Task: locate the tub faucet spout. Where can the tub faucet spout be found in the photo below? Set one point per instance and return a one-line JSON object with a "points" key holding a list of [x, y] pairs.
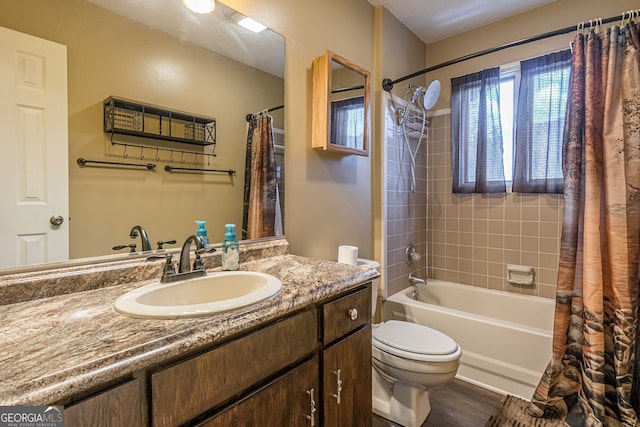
{"points": [[415, 280]]}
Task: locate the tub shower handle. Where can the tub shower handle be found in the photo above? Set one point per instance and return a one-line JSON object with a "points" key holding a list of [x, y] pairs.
{"points": [[312, 417], [411, 255], [338, 386], [353, 313]]}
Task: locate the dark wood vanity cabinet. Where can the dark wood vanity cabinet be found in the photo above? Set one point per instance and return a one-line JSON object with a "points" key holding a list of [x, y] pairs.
{"points": [[190, 388], [333, 389], [311, 368], [121, 406], [346, 360]]}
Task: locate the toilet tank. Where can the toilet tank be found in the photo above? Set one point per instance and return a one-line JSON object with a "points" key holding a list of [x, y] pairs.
{"points": [[375, 282]]}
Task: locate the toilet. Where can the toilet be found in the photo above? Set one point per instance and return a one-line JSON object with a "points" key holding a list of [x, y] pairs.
{"points": [[408, 359]]}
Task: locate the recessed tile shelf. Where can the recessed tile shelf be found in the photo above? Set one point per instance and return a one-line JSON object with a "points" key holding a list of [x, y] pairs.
{"points": [[125, 117]]}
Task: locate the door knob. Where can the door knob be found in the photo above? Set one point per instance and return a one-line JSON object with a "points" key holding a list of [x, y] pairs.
{"points": [[56, 220]]}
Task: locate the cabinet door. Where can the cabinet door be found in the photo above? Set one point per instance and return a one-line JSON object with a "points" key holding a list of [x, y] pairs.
{"points": [[291, 400], [193, 387], [346, 380], [121, 406]]}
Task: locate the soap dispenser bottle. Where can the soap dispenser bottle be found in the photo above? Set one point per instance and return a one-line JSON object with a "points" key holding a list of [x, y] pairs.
{"points": [[230, 249], [202, 232]]}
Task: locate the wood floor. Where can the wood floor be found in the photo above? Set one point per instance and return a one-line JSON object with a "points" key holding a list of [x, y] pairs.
{"points": [[455, 404]]}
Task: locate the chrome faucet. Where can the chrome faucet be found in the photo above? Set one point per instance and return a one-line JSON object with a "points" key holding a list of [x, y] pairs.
{"points": [[185, 271], [198, 264], [146, 244], [415, 280]]}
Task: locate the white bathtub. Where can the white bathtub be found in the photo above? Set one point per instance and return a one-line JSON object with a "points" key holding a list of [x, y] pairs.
{"points": [[505, 337]]}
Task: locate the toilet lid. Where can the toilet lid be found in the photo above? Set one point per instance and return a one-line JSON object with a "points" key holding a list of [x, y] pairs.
{"points": [[414, 338]]}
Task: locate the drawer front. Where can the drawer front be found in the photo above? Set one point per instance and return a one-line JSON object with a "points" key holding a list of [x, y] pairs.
{"points": [[345, 314], [123, 406], [186, 390]]}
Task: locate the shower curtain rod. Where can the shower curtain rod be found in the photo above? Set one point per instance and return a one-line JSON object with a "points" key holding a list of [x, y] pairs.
{"points": [[387, 84], [279, 107], [252, 116]]}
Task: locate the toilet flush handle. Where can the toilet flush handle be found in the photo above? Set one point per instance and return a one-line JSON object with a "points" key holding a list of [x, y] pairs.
{"points": [[353, 313]]}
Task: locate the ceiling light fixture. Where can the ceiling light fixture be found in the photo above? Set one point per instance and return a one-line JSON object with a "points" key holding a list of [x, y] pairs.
{"points": [[200, 6], [248, 23]]}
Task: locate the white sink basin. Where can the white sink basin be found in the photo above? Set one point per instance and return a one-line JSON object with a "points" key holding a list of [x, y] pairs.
{"points": [[201, 296]]}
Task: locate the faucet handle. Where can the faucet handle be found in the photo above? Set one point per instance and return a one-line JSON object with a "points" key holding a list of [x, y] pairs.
{"points": [[198, 263], [165, 242], [131, 246], [168, 269]]}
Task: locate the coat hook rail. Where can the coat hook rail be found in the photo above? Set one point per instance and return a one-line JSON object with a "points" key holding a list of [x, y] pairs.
{"points": [[227, 171], [85, 162], [168, 150]]}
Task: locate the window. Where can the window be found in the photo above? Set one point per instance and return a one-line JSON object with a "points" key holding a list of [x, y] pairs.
{"points": [[507, 98], [527, 147]]}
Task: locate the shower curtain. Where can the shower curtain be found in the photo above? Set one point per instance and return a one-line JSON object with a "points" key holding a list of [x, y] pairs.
{"points": [[593, 378], [260, 197]]}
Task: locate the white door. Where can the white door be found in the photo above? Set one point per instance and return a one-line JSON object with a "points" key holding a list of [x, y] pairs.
{"points": [[34, 180]]}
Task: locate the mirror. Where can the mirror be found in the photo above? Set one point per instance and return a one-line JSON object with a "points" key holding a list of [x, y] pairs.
{"points": [[341, 121], [155, 53]]}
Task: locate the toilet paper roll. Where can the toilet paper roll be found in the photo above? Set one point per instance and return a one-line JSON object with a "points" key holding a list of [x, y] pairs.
{"points": [[348, 254]]}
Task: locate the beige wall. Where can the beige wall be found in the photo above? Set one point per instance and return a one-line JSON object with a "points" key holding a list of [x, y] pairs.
{"points": [[402, 53], [111, 55], [328, 196]]}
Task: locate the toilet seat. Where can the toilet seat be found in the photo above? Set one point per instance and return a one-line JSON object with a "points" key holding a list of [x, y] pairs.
{"points": [[414, 342]]}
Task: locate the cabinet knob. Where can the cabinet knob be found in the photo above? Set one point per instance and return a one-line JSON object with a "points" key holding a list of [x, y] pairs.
{"points": [[353, 313]]}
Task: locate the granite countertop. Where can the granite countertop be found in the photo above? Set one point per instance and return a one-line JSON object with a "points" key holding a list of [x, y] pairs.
{"points": [[54, 348]]}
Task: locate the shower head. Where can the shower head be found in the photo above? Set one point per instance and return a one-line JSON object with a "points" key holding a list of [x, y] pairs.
{"points": [[417, 93], [431, 95]]}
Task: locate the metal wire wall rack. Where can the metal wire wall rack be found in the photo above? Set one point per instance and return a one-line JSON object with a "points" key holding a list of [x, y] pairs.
{"points": [[126, 117]]}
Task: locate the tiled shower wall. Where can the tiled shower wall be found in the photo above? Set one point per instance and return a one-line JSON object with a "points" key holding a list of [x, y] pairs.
{"points": [[406, 215], [468, 239]]}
